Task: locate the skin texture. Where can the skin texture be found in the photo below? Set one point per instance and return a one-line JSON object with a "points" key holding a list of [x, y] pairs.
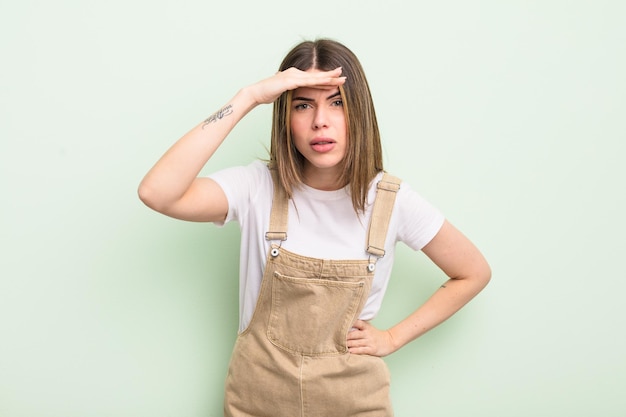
{"points": [[172, 187]]}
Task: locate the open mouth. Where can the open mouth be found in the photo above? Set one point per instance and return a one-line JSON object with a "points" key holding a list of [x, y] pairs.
{"points": [[322, 144]]}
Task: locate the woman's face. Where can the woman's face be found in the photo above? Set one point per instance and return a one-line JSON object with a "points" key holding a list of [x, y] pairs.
{"points": [[318, 129]]}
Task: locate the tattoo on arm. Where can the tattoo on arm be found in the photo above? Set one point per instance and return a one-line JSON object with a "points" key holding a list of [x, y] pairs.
{"points": [[220, 114]]}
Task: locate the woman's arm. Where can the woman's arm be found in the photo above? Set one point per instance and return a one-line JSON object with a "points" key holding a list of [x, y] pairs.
{"points": [[172, 186], [469, 273]]}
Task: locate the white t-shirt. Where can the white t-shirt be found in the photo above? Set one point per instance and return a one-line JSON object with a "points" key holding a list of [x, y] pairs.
{"points": [[322, 224]]}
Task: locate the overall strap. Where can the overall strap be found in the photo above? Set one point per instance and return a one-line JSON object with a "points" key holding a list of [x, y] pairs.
{"points": [[386, 191], [280, 212]]}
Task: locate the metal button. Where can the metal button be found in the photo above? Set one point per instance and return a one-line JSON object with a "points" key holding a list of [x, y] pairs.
{"points": [[274, 252], [371, 267]]}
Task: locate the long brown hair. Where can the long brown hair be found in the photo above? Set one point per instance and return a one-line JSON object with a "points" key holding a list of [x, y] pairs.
{"points": [[363, 158]]}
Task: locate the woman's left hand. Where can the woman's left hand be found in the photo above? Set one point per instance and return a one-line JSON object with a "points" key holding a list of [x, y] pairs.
{"points": [[366, 339]]}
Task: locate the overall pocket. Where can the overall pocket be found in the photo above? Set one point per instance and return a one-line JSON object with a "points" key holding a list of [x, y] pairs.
{"points": [[312, 316]]}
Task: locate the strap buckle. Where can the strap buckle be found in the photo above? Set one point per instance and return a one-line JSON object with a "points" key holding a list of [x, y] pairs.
{"points": [[378, 252], [276, 236]]}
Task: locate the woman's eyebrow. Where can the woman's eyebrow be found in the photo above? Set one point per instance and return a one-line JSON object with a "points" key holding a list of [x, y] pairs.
{"points": [[337, 94]]}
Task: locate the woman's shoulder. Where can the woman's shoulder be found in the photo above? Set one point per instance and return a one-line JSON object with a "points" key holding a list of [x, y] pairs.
{"points": [[254, 171], [244, 181], [416, 218], [409, 203], [384, 180], [391, 182]]}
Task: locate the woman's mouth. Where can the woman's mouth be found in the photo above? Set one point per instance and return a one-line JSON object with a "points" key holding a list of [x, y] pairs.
{"points": [[322, 144]]}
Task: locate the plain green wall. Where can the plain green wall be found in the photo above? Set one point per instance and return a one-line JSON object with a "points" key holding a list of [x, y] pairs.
{"points": [[508, 115]]}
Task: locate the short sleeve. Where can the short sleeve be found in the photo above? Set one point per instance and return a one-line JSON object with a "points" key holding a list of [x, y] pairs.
{"points": [[241, 185], [419, 221]]}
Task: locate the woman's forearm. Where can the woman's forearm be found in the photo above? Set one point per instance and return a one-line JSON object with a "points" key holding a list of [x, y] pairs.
{"points": [[446, 301], [460, 260], [174, 172]]}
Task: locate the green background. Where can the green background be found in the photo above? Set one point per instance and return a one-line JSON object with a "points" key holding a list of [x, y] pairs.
{"points": [[507, 115]]}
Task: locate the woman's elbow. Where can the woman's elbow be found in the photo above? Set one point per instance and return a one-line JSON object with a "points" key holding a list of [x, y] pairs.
{"points": [[484, 275], [149, 195]]}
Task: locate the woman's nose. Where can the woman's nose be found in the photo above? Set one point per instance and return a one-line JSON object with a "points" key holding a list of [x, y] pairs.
{"points": [[320, 119]]}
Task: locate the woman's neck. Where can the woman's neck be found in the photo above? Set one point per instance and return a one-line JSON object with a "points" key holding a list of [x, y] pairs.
{"points": [[323, 179]]}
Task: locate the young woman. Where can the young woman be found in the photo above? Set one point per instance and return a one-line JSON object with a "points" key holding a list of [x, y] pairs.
{"points": [[319, 224]]}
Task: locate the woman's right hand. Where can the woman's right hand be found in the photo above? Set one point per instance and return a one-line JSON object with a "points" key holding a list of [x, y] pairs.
{"points": [[268, 90]]}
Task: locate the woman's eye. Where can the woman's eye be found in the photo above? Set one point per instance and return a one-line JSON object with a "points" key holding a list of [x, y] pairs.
{"points": [[302, 106], [338, 103]]}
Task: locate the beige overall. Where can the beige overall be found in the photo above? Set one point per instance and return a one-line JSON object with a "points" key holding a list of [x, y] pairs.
{"points": [[292, 360]]}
